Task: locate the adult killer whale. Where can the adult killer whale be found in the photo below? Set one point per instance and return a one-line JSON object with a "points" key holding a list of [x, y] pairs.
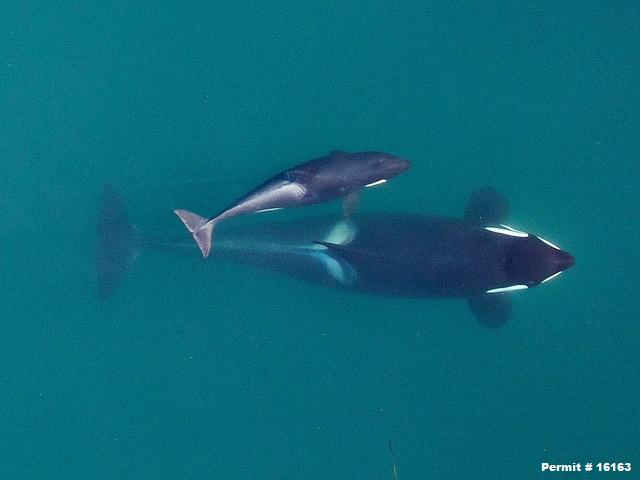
{"points": [[393, 254], [338, 174]]}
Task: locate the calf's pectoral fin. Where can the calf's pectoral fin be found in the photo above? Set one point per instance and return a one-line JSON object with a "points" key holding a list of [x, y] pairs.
{"points": [[491, 310], [350, 203]]}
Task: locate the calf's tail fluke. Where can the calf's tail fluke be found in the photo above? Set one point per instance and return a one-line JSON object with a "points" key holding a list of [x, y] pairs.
{"points": [[200, 227]]}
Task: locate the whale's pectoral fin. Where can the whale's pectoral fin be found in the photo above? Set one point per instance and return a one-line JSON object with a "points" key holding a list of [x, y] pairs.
{"points": [[491, 310], [487, 206], [350, 203]]}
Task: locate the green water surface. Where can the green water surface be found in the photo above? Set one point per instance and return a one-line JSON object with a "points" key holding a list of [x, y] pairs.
{"points": [[197, 371]]}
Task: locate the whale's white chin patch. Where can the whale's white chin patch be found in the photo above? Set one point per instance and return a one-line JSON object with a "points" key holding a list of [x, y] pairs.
{"points": [[511, 288], [507, 230], [551, 277], [553, 245]]}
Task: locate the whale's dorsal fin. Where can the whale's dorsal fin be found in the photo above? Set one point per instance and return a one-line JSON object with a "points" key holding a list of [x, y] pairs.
{"points": [[491, 310], [344, 251], [487, 206]]}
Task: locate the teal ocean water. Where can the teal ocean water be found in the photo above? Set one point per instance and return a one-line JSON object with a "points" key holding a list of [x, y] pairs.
{"points": [[196, 370]]}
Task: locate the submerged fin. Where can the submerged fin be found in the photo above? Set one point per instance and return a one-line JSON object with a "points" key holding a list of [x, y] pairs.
{"points": [[394, 469], [329, 245], [491, 310], [344, 251], [350, 203], [200, 227], [487, 206], [118, 242]]}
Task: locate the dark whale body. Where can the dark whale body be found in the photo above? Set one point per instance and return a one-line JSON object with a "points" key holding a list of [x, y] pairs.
{"points": [[415, 255], [392, 254]]}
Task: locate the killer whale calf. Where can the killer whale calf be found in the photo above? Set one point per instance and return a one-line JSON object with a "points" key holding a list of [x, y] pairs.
{"points": [[477, 257], [338, 174]]}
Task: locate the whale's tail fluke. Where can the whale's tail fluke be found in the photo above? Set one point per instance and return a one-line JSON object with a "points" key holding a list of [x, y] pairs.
{"points": [[118, 242], [200, 227]]}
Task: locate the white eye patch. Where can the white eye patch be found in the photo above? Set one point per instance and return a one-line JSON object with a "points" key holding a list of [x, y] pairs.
{"points": [[551, 277], [510, 288], [507, 230]]}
